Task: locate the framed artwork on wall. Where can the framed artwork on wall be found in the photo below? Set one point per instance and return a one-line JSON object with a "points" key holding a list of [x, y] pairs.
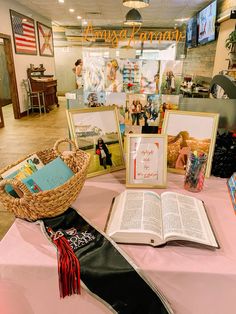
{"points": [[96, 130], [24, 37], [188, 132], [146, 160], [45, 39]]}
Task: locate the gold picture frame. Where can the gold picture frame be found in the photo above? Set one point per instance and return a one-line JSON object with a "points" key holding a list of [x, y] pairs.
{"points": [[146, 156], [189, 131], [96, 130]]}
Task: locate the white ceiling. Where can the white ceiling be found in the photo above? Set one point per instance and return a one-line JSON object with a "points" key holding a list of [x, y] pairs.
{"points": [[160, 13]]}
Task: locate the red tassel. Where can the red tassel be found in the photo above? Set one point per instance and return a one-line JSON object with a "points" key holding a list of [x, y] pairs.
{"points": [[68, 265]]}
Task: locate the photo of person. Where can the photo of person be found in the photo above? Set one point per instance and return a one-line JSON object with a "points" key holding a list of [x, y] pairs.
{"points": [[97, 131], [185, 136], [149, 76], [103, 153], [135, 109], [78, 73], [151, 110], [114, 78], [171, 77], [183, 150], [94, 99], [94, 74], [168, 102]]}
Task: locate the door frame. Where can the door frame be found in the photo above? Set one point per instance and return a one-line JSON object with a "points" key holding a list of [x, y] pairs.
{"points": [[1, 118], [12, 75]]}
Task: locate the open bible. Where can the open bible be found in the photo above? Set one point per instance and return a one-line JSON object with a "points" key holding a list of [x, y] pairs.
{"points": [[144, 217]]}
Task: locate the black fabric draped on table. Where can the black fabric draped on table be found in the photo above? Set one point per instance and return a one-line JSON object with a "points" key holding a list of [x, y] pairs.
{"points": [[103, 269]]}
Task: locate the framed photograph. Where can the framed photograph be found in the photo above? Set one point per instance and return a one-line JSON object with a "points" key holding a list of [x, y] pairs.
{"points": [[113, 75], [24, 36], [150, 77], [168, 102], [94, 74], [189, 131], [171, 77], [96, 130], [94, 99], [146, 160], [45, 39]]}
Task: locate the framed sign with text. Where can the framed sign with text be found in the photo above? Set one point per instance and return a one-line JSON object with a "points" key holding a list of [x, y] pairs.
{"points": [[146, 160]]}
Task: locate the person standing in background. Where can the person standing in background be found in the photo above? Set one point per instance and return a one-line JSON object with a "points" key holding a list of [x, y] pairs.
{"points": [[78, 72], [172, 82]]}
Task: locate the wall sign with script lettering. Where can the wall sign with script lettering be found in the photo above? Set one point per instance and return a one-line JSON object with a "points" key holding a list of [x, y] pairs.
{"points": [[132, 36]]}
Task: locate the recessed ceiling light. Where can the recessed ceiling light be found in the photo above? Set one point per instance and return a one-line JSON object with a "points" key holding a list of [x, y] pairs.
{"points": [[72, 10], [84, 22], [61, 1], [79, 17]]}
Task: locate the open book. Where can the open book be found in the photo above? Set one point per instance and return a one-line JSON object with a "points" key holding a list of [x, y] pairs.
{"points": [[144, 217]]}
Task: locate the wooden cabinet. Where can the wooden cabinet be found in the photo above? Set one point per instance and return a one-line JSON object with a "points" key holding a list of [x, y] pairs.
{"points": [[41, 82]]}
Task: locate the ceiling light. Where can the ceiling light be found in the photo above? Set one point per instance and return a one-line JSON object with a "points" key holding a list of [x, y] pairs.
{"points": [[79, 17], [84, 22], [72, 10], [182, 20], [136, 3], [61, 1], [133, 17]]}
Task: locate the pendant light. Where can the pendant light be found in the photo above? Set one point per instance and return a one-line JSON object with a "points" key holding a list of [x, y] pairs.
{"points": [[133, 17], [137, 4]]}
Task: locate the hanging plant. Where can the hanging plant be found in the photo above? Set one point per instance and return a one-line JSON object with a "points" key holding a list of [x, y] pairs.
{"points": [[230, 42]]}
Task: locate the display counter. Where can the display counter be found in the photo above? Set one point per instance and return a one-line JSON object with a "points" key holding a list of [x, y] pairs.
{"points": [[194, 280]]}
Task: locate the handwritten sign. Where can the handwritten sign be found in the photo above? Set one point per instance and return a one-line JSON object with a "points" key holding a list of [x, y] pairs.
{"points": [[145, 163], [146, 160], [135, 35]]}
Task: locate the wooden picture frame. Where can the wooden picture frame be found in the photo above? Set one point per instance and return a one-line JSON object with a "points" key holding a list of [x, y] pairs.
{"points": [[146, 156], [24, 35], [189, 131], [45, 40], [86, 126]]}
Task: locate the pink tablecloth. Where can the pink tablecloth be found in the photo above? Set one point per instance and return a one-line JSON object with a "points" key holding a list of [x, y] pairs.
{"points": [[195, 281]]}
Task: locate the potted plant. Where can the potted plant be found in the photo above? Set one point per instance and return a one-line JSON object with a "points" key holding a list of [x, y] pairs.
{"points": [[230, 44]]}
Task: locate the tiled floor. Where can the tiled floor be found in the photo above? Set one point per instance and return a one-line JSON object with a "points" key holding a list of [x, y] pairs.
{"points": [[27, 135]]}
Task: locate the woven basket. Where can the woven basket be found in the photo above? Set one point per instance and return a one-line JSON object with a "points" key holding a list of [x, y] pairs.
{"points": [[33, 206]]}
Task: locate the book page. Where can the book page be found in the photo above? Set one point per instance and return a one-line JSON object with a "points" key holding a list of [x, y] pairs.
{"points": [[184, 217], [142, 211]]}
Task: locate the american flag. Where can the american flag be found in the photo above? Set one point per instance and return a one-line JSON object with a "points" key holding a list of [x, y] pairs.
{"points": [[24, 34]]}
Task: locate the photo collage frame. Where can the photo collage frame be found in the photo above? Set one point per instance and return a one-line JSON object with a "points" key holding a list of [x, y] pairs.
{"points": [[136, 87], [155, 136]]}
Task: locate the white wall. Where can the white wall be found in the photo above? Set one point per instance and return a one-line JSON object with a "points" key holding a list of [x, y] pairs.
{"points": [[22, 62], [221, 52], [65, 58]]}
